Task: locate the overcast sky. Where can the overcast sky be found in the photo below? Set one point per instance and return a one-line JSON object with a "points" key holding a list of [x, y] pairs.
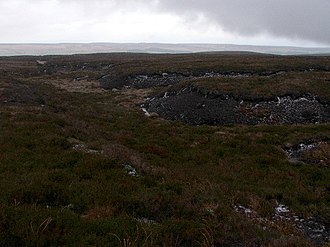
{"points": [[260, 22]]}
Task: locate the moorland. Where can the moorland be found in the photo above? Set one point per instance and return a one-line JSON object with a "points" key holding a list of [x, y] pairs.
{"points": [[205, 149]]}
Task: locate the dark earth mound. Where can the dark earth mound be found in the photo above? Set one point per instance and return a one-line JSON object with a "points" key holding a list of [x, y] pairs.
{"points": [[194, 107]]}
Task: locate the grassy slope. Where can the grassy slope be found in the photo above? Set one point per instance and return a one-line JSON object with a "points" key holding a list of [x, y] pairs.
{"points": [[51, 194]]}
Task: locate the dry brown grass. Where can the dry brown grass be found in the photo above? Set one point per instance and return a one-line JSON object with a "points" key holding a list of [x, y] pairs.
{"points": [[75, 86], [130, 98], [124, 154]]}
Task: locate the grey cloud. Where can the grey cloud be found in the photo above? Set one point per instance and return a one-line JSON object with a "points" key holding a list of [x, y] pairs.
{"points": [[294, 19], [300, 19]]}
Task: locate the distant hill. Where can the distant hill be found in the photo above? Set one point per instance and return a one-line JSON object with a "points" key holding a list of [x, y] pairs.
{"points": [[85, 48]]}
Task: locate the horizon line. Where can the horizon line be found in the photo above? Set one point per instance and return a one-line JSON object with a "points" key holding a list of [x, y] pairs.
{"points": [[158, 43]]}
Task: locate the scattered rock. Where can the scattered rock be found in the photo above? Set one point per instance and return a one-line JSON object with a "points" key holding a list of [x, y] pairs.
{"points": [[40, 62], [314, 230], [147, 221], [83, 148], [281, 208], [314, 153], [165, 79], [131, 171], [145, 112], [79, 147], [80, 78], [70, 206], [311, 228], [245, 210]]}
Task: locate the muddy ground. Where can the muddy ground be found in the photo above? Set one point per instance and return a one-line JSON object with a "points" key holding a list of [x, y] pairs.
{"points": [[194, 107]]}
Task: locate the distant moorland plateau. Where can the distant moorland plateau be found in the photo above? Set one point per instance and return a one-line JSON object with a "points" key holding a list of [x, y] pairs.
{"points": [[85, 48]]}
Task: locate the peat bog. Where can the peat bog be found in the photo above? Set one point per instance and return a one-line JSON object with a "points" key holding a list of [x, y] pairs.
{"points": [[205, 149]]}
